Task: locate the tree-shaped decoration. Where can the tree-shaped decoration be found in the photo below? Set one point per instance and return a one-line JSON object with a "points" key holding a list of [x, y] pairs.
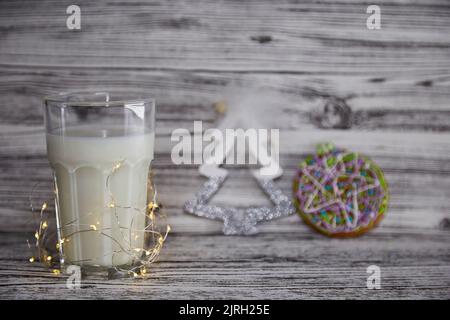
{"points": [[237, 221]]}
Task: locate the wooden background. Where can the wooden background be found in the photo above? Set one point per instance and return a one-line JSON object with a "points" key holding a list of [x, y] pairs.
{"points": [[391, 88]]}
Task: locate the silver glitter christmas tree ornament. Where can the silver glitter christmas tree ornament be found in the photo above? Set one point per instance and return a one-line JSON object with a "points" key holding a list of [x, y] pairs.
{"points": [[240, 221]]}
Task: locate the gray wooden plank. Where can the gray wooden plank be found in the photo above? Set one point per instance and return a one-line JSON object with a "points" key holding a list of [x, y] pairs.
{"points": [[399, 102], [416, 166], [227, 36], [296, 265]]}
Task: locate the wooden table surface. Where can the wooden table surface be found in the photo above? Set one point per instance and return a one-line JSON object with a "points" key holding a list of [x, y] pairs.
{"points": [[390, 86]]}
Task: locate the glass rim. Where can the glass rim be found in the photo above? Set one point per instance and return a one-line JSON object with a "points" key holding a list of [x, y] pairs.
{"points": [[61, 98]]}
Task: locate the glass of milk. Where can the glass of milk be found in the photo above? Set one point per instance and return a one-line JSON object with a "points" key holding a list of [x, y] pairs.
{"points": [[100, 146]]}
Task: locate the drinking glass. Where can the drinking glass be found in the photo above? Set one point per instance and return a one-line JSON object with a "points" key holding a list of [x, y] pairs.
{"points": [[100, 147]]}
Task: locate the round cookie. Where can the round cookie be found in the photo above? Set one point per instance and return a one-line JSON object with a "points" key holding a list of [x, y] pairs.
{"points": [[340, 193]]}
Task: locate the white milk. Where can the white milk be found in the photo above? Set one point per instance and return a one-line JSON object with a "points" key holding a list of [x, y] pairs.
{"points": [[82, 160]]}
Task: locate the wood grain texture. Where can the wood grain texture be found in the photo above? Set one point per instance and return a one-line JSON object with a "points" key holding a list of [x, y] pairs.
{"points": [[390, 89]]}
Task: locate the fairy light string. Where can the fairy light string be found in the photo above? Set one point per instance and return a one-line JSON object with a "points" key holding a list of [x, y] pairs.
{"points": [[155, 233]]}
